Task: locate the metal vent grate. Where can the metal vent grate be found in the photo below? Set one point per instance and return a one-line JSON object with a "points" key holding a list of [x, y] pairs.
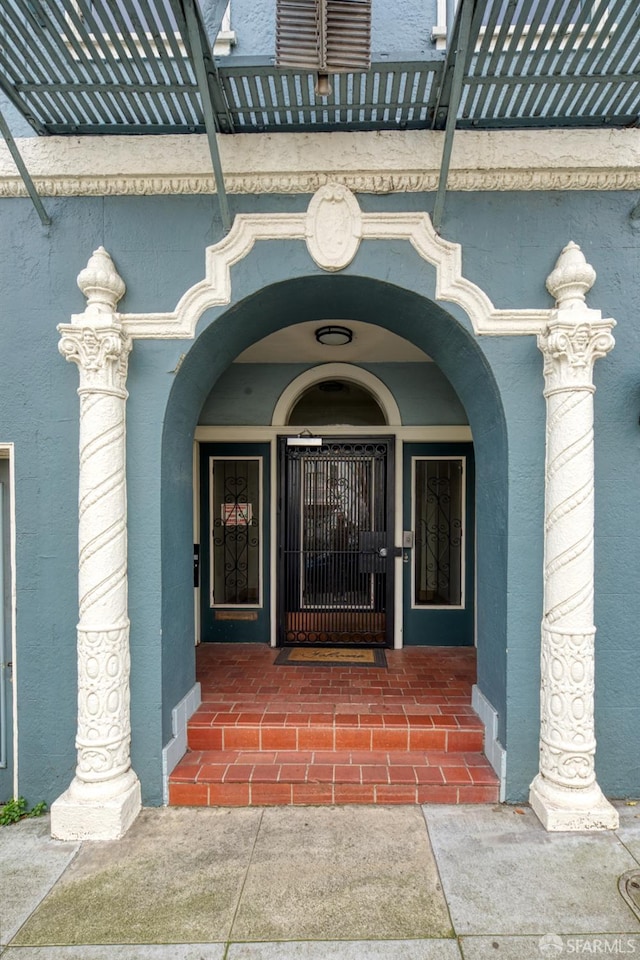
{"points": [[324, 35]]}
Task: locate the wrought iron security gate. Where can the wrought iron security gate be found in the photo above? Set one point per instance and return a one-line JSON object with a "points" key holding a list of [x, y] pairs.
{"points": [[336, 566]]}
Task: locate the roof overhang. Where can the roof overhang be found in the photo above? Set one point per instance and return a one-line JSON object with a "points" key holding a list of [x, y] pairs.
{"points": [[101, 67]]}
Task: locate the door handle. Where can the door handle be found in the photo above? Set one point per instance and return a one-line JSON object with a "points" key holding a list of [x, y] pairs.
{"points": [[390, 552]]}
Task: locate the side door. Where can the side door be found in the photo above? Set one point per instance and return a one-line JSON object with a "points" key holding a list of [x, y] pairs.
{"points": [[234, 542], [439, 575]]}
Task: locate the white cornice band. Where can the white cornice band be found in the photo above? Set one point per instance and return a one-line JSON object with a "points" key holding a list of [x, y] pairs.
{"points": [[289, 163]]}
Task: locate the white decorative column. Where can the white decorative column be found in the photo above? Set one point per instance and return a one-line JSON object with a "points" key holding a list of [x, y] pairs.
{"points": [[565, 794], [104, 797]]}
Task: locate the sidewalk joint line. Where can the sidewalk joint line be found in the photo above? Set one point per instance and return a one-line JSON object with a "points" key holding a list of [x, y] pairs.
{"points": [[244, 883]]}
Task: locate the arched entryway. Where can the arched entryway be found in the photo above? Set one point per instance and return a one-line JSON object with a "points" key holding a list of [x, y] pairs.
{"points": [[444, 339], [431, 328]]}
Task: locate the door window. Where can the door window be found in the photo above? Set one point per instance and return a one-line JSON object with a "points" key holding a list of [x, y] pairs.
{"points": [[438, 508], [236, 534]]}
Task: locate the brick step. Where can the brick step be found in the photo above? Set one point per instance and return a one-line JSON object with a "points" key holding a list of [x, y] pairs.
{"points": [[281, 777], [330, 697], [357, 731]]}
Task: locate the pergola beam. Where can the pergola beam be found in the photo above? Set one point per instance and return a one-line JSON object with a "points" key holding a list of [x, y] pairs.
{"points": [[24, 173], [206, 76], [449, 98]]}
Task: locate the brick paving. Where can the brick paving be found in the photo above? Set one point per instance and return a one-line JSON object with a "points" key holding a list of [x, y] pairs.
{"points": [[279, 734]]}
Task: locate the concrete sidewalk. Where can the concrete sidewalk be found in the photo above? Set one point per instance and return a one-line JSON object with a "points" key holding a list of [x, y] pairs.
{"points": [[321, 883]]}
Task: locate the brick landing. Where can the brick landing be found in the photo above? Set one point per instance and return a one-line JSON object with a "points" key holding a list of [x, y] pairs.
{"points": [[268, 734]]}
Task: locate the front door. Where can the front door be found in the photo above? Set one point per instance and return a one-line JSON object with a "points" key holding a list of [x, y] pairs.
{"points": [[234, 542], [336, 557], [438, 571]]}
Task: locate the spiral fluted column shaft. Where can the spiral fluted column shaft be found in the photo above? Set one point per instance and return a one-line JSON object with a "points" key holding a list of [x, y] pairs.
{"points": [[103, 630], [565, 794], [104, 795]]}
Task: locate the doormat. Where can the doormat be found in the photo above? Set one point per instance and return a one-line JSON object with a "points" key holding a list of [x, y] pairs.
{"points": [[331, 657]]}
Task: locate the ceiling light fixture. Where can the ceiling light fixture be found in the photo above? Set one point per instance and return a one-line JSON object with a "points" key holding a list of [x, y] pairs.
{"points": [[332, 336]]}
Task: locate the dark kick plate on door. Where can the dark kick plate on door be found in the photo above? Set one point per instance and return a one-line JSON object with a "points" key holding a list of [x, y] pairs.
{"points": [[236, 615], [371, 543]]}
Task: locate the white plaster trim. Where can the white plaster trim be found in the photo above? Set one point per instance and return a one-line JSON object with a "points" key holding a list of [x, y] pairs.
{"points": [[334, 227], [416, 228], [369, 162], [7, 452], [336, 371], [493, 749], [175, 750]]}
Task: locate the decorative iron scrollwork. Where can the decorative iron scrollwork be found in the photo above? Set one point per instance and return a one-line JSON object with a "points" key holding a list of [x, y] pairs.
{"points": [[235, 532], [438, 531]]}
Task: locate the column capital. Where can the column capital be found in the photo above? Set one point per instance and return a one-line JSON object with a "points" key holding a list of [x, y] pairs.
{"points": [[100, 352], [570, 345]]}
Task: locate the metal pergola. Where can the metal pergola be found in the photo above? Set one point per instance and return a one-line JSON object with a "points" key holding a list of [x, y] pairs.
{"points": [[100, 67]]}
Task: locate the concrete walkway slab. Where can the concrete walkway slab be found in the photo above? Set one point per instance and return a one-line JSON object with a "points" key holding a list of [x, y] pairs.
{"points": [[351, 950], [503, 874], [174, 951], [549, 945], [629, 829], [175, 877], [348, 873], [31, 863], [321, 883]]}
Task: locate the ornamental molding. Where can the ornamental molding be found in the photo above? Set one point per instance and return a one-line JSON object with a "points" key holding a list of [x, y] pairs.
{"points": [[95, 340], [101, 284], [380, 182], [576, 336], [336, 371], [291, 163], [101, 353], [570, 350], [333, 228], [317, 227], [572, 278]]}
